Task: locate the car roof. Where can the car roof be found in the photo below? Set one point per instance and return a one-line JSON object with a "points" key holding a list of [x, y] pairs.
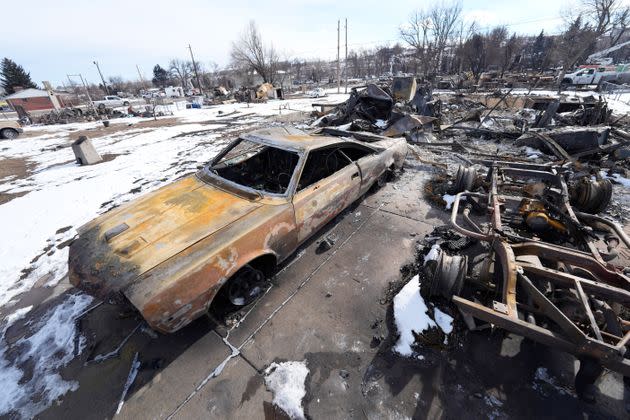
{"points": [[293, 139]]}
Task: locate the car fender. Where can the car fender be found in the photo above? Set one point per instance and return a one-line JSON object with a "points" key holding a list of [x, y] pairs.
{"points": [[182, 288]]}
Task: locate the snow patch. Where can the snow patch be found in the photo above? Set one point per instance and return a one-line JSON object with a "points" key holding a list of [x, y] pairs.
{"points": [[433, 254], [444, 321], [617, 178], [287, 382], [532, 153], [52, 346], [15, 316], [381, 123], [410, 313], [449, 199]]}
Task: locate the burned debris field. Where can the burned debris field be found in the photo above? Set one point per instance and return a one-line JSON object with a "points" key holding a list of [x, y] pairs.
{"points": [[431, 226], [493, 237]]}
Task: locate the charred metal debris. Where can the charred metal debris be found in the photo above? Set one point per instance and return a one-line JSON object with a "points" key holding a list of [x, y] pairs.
{"points": [[535, 187]]}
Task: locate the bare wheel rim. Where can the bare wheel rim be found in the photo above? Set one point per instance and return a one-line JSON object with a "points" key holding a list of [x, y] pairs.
{"points": [[246, 286]]}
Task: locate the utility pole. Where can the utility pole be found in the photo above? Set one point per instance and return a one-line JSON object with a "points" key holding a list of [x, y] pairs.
{"points": [[346, 61], [144, 85], [86, 90], [195, 68], [338, 39], [102, 78]]}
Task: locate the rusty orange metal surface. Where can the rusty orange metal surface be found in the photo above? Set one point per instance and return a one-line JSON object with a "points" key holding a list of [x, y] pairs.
{"points": [[170, 251]]}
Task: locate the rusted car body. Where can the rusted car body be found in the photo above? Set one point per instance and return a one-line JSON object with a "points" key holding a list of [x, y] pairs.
{"points": [[170, 251]]}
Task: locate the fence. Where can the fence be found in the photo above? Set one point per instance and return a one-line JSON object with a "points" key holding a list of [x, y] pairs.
{"points": [[616, 92]]}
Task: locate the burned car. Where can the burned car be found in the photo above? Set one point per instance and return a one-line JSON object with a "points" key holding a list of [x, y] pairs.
{"points": [[221, 231]]}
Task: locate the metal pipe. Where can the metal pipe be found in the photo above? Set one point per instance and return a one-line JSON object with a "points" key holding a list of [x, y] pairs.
{"points": [[460, 229], [614, 226]]}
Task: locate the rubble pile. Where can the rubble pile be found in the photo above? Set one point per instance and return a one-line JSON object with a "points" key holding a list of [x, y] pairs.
{"points": [[534, 186], [73, 115], [402, 109]]}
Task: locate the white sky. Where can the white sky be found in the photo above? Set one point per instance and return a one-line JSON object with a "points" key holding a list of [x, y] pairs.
{"points": [[58, 37]]}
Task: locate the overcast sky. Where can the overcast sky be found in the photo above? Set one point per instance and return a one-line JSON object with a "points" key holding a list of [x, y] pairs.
{"points": [[52, 38]]}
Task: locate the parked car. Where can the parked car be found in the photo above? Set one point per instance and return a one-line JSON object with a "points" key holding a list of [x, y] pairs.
{"points": [[218, 234], [10, 129], [316, 93], [111, 102]]}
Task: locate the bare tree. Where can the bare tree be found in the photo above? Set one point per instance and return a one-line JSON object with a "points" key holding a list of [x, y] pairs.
{"points": [[495, 40], [182, 70], [250, 53], [429, 32], [416, 33]]}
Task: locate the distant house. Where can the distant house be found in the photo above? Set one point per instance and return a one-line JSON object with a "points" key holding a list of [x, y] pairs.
{"points": [[34, 100]]}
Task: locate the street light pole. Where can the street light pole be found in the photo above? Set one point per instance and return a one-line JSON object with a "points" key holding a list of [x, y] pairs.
{"points": [[346, 60], [86, 90], [338, 68], [102, 78], [195, 68], [141, 78]]}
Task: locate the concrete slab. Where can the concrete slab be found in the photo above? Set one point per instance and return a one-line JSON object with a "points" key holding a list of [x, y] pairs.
{"points": [[238, 393], [169, 388], [337, 332], [339, 294], [405, 197], [297, 270]]}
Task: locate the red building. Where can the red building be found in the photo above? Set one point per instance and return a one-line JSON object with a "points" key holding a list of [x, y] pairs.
{"points": [[34, 100]]}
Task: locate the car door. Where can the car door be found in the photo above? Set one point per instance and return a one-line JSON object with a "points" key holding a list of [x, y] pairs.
{"points": [[370, 163], [324, 189]]}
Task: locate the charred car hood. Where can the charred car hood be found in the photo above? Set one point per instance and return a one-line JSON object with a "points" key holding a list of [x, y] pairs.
{"points": [[115, 248]]}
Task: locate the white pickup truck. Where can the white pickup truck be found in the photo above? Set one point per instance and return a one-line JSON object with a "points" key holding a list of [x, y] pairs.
{"points": [[595, 76], [111, 102]]}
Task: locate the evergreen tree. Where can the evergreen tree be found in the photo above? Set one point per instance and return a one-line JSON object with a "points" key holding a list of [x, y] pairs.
{"points": [[160, 76], [13, 75], [538, 51]]}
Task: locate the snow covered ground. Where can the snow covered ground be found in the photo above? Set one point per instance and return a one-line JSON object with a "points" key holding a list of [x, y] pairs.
{"points": [[59, 196]]}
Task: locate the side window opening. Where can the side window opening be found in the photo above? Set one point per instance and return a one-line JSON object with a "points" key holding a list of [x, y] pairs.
{"points": [[321, 164], [355, 153]]}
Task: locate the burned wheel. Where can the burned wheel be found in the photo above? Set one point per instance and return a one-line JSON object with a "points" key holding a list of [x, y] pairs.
{"points": [[464, 179], [8, 133], [245, 286], [448, 277], [382, 180], [591, 196]]}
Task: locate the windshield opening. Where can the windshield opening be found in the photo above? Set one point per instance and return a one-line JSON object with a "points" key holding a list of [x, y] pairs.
{"points": [[254, 165]]}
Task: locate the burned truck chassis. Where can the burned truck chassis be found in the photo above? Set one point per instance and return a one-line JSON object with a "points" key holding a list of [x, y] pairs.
{"points": [[530, 275]]}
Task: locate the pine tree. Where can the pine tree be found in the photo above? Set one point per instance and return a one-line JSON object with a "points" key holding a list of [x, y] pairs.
{"points": [[538, 51], [13, 75], [160, 76]]}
